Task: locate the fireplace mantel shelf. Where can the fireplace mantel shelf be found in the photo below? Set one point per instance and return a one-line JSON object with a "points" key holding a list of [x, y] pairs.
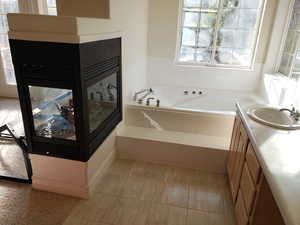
{"points": [[62, 29]]}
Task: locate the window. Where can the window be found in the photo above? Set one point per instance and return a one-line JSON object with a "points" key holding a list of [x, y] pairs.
{"points": [[51, 5], [6, 6], [219, 32], [290, 59]]}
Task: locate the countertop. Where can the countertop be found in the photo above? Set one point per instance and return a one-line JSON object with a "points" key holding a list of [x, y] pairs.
{"points": [[279, 154]]}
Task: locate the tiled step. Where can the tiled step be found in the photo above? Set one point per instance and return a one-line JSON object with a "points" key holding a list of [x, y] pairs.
{"points": [[206, 153]]}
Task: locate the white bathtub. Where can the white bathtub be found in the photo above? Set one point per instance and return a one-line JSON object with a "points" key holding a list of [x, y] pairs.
{"points": [[210, 101], [186, 130]]}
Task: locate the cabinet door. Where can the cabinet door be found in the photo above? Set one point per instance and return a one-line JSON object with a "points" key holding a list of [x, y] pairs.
{"points": [[237, 158], [265, 210], [233, 146], [248, 189], [253, 164], [240, 211]]}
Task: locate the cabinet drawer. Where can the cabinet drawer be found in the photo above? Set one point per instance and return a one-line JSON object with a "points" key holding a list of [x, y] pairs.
{"points": [[248, 189], [240, 211], [253, 164]]}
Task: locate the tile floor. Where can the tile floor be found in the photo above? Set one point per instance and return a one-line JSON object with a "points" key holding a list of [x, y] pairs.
{"points": [[131, 193]]}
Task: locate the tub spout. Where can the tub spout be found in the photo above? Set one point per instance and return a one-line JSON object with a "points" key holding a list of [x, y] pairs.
{"points": [[148, 100]]}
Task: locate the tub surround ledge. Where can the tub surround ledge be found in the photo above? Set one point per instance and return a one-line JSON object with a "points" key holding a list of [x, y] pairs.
{"points": [[278, 152]]}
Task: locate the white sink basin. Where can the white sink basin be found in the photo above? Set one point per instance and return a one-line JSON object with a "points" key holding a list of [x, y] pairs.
{"points": [[273, 117]]}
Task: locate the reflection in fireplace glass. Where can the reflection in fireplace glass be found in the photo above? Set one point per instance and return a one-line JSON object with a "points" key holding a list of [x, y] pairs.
{"points": [[53, 112], [102, 100]]}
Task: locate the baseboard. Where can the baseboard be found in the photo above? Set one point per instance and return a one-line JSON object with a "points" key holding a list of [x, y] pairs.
{"points": [[195, 157], [60, 188], [101, 171]]}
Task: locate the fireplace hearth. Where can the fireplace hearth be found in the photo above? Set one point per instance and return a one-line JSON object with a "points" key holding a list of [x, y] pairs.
{"points": [[70, 94]]}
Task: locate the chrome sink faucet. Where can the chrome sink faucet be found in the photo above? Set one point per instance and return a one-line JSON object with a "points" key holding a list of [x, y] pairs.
{"points": [[295, 114]]}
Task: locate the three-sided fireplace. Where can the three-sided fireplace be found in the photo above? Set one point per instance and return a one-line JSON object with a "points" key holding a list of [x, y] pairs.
{"points": [[70, 95]]}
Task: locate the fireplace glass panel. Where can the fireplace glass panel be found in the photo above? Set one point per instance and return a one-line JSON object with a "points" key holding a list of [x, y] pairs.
{"points": [[53, 112], [102, 100]]}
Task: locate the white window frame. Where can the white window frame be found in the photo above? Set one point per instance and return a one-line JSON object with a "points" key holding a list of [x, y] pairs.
{"points": [[283, 42], [259, 24]]}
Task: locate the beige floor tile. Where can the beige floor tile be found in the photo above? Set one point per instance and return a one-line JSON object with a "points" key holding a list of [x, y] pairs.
{"points": [[128, 211], [181, 175], [175, 193], [152, 190], [133, 187], [228, 206], [121, 167], [196, 217], [207, 193], [167, 215], [91, 211], [149, 170], [111, 184]]}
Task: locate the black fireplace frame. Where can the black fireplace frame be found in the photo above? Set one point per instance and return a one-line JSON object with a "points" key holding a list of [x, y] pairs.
{"points": [[73, 67]]}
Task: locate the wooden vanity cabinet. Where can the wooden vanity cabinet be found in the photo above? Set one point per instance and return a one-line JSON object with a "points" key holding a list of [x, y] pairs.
{"points": [[237, 156], [252, 198]]}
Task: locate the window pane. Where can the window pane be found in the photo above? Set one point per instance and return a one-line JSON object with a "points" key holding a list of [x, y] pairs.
{"points": [[208, 19], [229, 18], [6, 6], [52, 7], [224, 55], [243, 39], [51, 3], [231, 3], [210, 4], [3, 41], [250, 4], [247, 18], [188, 37], [8, 66], [291, 42], [52, 11], [3, 24], [241, 57], [205, 38], [286, 64], [297, 63], [191, 19], [9, 6], [187, 54], [192, 3], [232, 41], [226, 38], [203, 55]]}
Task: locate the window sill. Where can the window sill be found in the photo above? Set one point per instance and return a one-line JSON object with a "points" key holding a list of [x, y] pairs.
{"points": [[217, 67]]}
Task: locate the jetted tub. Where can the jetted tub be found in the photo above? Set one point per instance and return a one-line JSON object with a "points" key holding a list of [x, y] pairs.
{"points": [[188, 130], [198, 99], [206, 112]]}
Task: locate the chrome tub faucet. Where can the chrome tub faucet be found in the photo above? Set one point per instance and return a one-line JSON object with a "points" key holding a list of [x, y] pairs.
{"points": [[136, 94]]}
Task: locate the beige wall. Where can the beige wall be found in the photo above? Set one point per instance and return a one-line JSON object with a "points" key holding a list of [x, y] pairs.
{"points": [[162, 37], [86, 8], [132, 17]]}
